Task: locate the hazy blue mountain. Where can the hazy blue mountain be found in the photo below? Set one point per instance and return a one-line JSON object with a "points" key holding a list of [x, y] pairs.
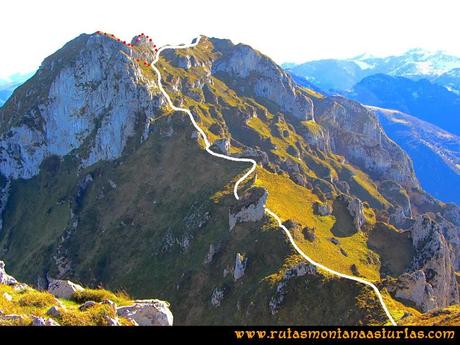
{"points": [[336, 74], [420, 98], [8, 85], [451, 80], [434, 152]]}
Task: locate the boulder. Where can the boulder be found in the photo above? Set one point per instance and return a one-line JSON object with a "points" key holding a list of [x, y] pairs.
{"points": [[431, 280], [54, 311], [414, 287], [240, 266], [112, 321], [40, 321], [63, 288], [4, 277], [7, 296], [217, 297], [250, 208], [222, 146], [322, 209], [150, 312], [87, 305]]}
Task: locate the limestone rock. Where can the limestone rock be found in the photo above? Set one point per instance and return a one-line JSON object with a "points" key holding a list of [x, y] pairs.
{"points": [[250, 208], [258, 75], [4, 277], [222, 146], [149, 312], [40, 321], [54, 311], [240, 266], [299, 270], [356, 134], [217, 297], [432, 283], [87, 305], [323, 209], [414, 287], [63, 288], [355, 208], [7, 296]]}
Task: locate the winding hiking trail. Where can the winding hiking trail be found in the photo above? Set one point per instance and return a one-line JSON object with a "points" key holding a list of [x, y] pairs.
{"points": [[249, 172]]}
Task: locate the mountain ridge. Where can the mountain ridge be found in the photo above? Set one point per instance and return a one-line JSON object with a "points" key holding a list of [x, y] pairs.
{"points": [[215, 274]]}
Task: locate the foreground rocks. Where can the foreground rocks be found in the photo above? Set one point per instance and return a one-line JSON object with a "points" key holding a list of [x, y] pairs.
{"points": [[149, 312], [63, 288]]}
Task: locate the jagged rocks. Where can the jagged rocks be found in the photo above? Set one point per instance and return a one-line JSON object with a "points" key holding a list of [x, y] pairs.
{"points": [[221, 146], [250, 208], [213, 249], [40, 321], [309, 234], [414, 287], [355, 208], [149, 312], [240, 266], [217, 297], [87, 305], [432, 284], [299, 270], [54, 311], [322, 209], [4, 277], [63, 288]]}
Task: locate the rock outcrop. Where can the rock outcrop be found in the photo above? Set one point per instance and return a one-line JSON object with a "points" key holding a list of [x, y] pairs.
{"points": [[355, 208], [240, 266], [4, 277], [63, 288], [433, 281], [356, 133], [149, 312], [250, 208], [262, 78]]}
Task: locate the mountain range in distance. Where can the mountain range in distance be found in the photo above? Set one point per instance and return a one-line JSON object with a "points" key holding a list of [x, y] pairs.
{"points": [[417, 94]]}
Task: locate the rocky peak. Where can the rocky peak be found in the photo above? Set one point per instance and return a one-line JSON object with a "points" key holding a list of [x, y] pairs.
{"points": [[432, 283], [253, 73], [91, 91], [356, 133]]}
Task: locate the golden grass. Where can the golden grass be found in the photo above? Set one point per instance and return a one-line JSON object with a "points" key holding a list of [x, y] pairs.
{"points": [[291, 201]]}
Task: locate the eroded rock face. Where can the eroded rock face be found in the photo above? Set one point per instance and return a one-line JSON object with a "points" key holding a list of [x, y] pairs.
{"points": [[414, 287], [250, 208], [63, 288], [84, 99], [433, 282], [240, 266], [299, 270], [4, 277], [323, 209], [262, 78], [356, 133], [355, 208], [149, 312]]}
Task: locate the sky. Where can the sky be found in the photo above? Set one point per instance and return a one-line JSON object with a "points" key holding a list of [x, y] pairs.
{"points": [[287, 30]]}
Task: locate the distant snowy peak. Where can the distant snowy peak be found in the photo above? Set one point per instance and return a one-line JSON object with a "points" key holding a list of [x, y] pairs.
{"points": [[414, 63]]}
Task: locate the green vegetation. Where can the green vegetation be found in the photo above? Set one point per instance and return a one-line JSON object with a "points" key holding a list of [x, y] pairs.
{"points": [[29, 303]]}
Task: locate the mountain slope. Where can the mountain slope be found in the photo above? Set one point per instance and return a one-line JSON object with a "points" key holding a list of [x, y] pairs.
{"points": [[435, 152], [422, 99], [122, 194]]}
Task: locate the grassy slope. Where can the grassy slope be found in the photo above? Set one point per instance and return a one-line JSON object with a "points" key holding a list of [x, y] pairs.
{"points": [[29, 302]]}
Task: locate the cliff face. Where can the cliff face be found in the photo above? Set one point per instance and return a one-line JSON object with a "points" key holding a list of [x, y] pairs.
{"points": [[103, 183], [76, 99]]}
